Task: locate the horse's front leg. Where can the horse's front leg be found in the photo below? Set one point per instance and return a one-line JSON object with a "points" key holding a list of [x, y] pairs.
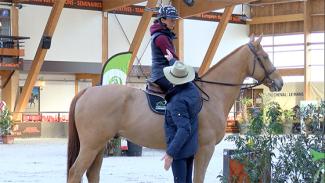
{"points": [[201, 162]]}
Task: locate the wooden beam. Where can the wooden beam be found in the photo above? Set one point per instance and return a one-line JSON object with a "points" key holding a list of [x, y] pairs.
{"points": [[76, 85], [277, 19], [39, 57], [203, 6], [5, 77], [216, 40], [260, 3], [14, 52], [291, 72], [95, 78], [95, 81], [141, 30], [104, 37], [179, 42], [307, 54], [4, 73], [87, 76], [9, 92], [113, 4], [14, 21], [179, 30]]}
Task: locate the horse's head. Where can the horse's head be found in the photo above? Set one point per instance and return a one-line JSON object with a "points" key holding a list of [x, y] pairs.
{"points": [[262, 68]]}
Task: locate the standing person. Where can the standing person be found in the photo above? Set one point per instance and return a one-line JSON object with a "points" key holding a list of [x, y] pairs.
{"points": [[181, 121], [162, 36]]}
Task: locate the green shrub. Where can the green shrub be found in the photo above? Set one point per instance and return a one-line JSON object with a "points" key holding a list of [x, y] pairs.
{"points": [[6, 122], [288, 157]]}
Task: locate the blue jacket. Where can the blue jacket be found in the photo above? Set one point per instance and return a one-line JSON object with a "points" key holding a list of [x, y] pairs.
{"points": [[181, 120]]}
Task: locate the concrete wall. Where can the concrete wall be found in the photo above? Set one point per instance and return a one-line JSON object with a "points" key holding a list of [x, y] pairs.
{"points": [[293, 92], [57, 92], [197, 37], [78, 35], [76, 38]]}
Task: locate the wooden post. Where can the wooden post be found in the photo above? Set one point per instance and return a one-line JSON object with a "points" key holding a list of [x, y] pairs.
{"points": [[9, 81], [307, 55], [179, 42], [104, 37], [14, 21], [179, 30], [76, 84]]}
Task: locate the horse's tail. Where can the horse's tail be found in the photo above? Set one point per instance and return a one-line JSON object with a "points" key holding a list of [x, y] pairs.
{"points": [[73, 140]]}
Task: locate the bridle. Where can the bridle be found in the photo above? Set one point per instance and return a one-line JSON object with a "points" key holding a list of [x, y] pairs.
{"points": [[257, 59]]}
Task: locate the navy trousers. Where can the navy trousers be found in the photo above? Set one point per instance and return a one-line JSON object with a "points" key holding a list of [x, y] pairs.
{"points": [[164, 84], [182, 170]]}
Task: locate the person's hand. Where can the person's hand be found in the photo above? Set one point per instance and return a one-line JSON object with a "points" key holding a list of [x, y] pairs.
{"points": [[168, 161], [169, 55]]}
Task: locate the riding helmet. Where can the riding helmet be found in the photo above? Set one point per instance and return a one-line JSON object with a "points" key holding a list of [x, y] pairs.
{"points": [[168, 11]]}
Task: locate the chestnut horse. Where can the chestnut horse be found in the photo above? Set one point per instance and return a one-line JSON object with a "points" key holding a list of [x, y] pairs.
{"points": [[99, 113]]}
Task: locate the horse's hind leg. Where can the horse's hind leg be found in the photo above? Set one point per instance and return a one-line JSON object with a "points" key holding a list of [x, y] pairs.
{"points": [[202, 159], [83, 162], [94, 170]]}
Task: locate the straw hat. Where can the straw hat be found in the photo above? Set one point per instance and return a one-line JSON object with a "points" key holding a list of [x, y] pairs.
{"points": [[179, 73]]}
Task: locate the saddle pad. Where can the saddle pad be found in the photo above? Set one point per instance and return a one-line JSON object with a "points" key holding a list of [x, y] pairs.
{"points": [[157, 104]]}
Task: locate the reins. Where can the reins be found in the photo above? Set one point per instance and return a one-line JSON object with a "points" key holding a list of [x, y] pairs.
{"points": [[250, 85], [247, 86], [243, 85]]}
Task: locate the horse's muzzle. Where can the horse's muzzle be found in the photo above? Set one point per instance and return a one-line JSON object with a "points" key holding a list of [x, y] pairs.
{"points": [[276, 85]]}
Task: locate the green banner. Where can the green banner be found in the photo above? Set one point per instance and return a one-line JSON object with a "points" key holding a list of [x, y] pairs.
{"points": [[115, 69]]}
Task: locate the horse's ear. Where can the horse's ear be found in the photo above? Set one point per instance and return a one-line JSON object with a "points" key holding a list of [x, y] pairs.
{"points": [[252, 38], [259, 39]]}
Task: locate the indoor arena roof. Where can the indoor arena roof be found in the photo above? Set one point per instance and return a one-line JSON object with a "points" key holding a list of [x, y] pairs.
{"points": [[198, 7], [183, 6]]}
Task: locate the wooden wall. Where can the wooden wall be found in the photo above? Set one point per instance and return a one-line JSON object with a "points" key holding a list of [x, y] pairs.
{"points": [[285, 17]]}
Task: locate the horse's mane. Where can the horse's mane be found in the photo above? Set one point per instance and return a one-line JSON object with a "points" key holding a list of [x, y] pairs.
{"points": [[222, 60]]}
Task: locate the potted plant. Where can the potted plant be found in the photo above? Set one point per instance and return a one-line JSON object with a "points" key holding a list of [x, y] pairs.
{"points": [[296, 125], [6, 124], [113, 147], [244, 116], [286, 158], [273, 117], [287, 117]]}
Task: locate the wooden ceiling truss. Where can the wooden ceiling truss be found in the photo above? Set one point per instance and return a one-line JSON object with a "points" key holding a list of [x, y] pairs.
{"points": [[141, 30], [216, 40], [274, 17]]}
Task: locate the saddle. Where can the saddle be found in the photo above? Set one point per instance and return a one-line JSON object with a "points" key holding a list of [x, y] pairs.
{"points": [[156, 98]]}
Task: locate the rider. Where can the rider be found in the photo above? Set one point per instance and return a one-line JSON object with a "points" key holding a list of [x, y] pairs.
{"points": [[162, 36]]}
